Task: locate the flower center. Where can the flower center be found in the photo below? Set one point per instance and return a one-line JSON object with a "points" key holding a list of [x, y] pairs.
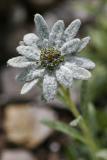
{"points": [[50, 58]]}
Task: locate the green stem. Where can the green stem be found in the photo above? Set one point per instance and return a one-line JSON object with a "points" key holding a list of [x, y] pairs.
{"points": [[84, 97], [84, 128]]}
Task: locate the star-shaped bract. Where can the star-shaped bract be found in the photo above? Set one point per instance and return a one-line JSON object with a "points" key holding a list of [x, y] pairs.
{"points": [[51, 57]]}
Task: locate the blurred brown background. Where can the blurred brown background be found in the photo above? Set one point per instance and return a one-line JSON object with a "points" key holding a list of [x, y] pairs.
{"points": [[22, 137]]}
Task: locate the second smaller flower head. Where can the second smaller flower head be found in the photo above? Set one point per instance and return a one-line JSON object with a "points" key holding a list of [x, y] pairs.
{"points": [[51, 57]]}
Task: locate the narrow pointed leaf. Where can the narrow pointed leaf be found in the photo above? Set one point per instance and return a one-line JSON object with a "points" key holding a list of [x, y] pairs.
{"points": [[64, 128], [75, 122], [91, 116]]}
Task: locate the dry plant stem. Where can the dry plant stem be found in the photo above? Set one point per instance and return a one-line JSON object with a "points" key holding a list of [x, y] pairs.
{"points": [[84, 128]]}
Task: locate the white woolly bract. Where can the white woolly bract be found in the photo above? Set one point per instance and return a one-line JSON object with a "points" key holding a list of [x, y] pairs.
{"points": [[49, 87], [64, 76], [20, 62], [28, 86], [30, 39], [63, 42]]}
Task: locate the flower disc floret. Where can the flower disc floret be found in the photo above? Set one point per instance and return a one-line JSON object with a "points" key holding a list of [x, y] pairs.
{"points": [[50, 58]]}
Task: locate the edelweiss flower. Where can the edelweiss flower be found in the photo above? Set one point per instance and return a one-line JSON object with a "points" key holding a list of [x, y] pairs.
{"points": [[51, 57]]}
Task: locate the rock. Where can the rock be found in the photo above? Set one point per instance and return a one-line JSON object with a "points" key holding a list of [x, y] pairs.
{"points": [[16, 155], [22, 124], [54, 156]]}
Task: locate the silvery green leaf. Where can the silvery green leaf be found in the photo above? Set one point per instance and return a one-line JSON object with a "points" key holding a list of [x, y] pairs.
{"points": [[30, 39], [70, 47], [102, 154], [29, 74], [82, 62], [78, 72], [41, 27], [49, 87], [29, 52], [65, 128], [28, 86], [72, 29], [20, 62], [56, 32], [75, 122], [64, 76], [83, 43]]}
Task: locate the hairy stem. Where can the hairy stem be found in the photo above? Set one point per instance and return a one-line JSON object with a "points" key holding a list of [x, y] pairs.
{"points": [[84, 128]]}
